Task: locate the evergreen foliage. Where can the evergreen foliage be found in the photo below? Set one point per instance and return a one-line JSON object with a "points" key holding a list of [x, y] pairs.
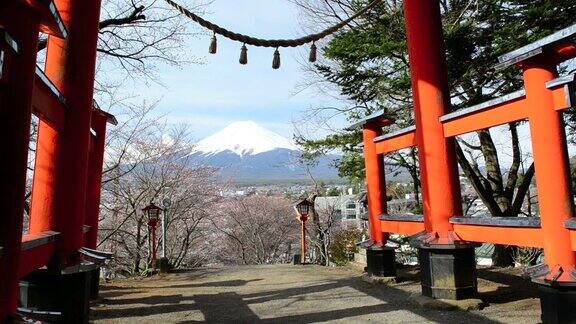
{"points": [[369, 64]]}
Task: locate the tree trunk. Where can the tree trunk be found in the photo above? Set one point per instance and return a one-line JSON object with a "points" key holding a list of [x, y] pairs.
{"points": [[503, 256], [415, 178]]}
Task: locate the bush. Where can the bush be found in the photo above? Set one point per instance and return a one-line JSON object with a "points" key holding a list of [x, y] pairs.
{"points": [[344, 246]]}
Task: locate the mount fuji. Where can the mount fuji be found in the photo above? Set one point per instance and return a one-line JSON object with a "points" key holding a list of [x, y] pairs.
{"points": [[247, 152]]}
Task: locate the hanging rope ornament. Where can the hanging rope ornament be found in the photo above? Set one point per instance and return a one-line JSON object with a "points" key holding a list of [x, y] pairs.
{"points": [[276, 60], [259, 42], [213, 45], [243, 55], [313, 50]]}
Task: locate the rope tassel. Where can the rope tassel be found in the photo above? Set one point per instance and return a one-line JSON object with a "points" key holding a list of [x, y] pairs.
{"points": [[243, 55], [313, 50], [213, 45], [276, 60], [270, 42]]}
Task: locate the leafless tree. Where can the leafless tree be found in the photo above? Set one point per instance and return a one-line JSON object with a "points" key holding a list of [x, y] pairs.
{"points": [[326, 224], [256, 229], [137, 35], [155, 166], [503, 193]]}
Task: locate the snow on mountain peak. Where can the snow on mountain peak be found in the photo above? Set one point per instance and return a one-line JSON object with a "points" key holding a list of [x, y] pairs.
{"points": [[243, 138]]}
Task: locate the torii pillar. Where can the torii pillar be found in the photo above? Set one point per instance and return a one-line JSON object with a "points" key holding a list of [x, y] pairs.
{"points": [[94, 187], [556, 287], [60, 177], [448, 266], [380, 259], [17, 66]]}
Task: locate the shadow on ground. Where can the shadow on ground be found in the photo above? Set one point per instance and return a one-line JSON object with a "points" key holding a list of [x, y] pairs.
{"points": [[228, 305]]}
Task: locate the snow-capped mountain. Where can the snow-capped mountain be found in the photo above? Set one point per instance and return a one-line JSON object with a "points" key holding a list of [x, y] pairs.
{"points": [[245, 151], [244, 138]]}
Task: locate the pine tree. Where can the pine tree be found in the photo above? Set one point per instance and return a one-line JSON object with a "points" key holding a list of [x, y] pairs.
{"points": [[369, 64]]}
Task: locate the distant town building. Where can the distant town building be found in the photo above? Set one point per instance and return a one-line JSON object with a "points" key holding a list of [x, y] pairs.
{"points": [[350, 209]]}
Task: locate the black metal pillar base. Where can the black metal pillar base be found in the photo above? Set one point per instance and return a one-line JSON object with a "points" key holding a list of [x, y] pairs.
{"points": [[448, 273], [163, 265], [296, 259], [94, 284], [381, 262], [68, 294], [558, 304]]}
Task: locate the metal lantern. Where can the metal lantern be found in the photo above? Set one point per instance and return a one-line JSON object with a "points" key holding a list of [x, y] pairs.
{"points": [[153, 212], [303, 207]]}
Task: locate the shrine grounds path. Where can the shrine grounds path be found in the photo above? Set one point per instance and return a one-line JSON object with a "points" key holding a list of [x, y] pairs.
{"points": [[301, 294]]}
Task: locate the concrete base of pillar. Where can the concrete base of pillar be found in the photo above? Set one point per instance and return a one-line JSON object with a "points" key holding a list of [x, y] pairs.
{"points": [[558, 304], [94, 284], [448, 273], [163, 265], [296, 259], [68, 294], [381, 262]]}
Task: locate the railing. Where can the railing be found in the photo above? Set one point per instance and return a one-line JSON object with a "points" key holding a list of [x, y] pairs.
{"points": [[519, 231], [37, 251], [24, 90]]}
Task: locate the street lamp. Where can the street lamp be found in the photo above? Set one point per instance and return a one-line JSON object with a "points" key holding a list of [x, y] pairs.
{"points": [[166, 203], [153, 213], [303, 209], [163, 263]]}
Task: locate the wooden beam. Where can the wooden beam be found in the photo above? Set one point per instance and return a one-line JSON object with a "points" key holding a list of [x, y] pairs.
{"points": [[404, 228], [492, 113], [563, 93], [37, 250], [392, 142], [518, 236], [48, 104], [50, 20], [506, 109], [573, 240]]}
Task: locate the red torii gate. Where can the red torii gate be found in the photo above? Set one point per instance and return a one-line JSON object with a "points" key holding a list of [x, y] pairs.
{"points": [[70, 149], [446, 239], [67, 175]]}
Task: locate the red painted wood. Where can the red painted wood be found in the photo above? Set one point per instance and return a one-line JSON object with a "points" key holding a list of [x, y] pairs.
{"points": [[15, 113], [375, 182], [59, 187], [497, 115], [95, 178], [35, 257], [47, 106], [404, 228], [551, 165], [49, 20], [438, 169], [396, 143], [529, 237]]}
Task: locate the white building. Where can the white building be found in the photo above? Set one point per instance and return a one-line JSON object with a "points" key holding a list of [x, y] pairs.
{"points": [[349, 209]]}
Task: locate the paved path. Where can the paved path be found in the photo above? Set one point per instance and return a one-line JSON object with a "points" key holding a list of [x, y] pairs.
{"points": [[297, 294]]}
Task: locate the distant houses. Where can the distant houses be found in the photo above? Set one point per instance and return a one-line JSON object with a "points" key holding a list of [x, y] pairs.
{"points": [[347, 208]]}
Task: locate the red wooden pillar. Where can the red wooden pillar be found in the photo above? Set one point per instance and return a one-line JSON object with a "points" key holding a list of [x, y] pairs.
{"points": [[59, 189], [375, 182], [448, 266], [94, 183], [380, 259], [16, 86], [438, 168], [552, 168], [302, 240]]}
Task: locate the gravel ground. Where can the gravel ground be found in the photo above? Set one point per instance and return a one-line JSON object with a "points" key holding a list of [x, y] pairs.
{"points": [[301, 294]]}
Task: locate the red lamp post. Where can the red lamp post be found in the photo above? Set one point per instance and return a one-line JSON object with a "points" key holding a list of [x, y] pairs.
{"points": [[302, 209], [153, 213]]}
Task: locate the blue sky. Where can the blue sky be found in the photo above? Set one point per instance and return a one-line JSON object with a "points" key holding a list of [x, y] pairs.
{"points": [[220, 91]]}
